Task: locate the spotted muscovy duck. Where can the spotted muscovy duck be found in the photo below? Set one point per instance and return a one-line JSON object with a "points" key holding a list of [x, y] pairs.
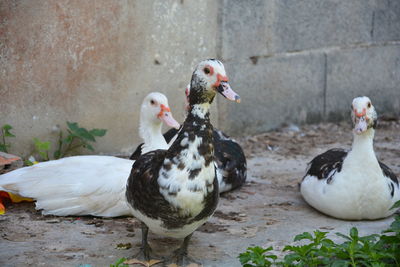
{"points": [[229, 156], [89, 185], [352, 185], [173, 192]]}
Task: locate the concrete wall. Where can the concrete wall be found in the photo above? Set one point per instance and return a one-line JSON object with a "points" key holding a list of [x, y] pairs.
{"points": [[304, 61], [94, 61]]}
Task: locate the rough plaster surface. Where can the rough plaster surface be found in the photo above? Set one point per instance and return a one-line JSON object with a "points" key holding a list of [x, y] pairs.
{"points": [[94, 61]]}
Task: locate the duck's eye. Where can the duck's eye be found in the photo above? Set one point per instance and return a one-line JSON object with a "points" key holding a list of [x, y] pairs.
{"points": [[369, 104], [152, 102], [207, 70]]}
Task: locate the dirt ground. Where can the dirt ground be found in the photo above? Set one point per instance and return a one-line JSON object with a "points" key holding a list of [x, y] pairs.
{"points": [[267, 211]]}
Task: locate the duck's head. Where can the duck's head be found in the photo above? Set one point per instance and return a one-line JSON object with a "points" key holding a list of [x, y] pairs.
{"points": [[363, 114], [155, 109], [208, 79]]}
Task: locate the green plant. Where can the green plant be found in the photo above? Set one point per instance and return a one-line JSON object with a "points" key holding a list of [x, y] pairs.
{"points": [[318, 250], [76, 137], [120, 263], [42, 148], [255, 256], [5, 131]]}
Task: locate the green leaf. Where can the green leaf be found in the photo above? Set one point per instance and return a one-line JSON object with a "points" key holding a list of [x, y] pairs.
{"points": [[98, 132], [354, 233], [302, 236], [68, 139], [3, 148], [27, 162], [340, 263], [343, 236], [7, 128], [119, 263], [57, 154], [73, 126], [41, 146], [88, 146], [396, 205], [80, 132], [84, 134]]}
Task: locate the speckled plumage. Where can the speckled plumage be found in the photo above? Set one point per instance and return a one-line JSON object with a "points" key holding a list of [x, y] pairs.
{"points": [[175, 191]]}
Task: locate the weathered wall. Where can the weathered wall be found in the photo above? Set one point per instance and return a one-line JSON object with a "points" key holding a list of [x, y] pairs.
{"points": [[304, 61], [94, 61]]}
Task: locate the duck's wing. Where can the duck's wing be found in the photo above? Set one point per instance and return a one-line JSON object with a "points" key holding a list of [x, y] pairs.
{"points": [[137, 153], [79, 185], [170, 134], [325, 165], [143, 190], [388, 172], [230, 159]]}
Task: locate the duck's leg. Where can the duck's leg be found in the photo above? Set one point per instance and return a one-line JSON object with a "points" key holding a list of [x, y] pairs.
{"points": [[181, 254], [145, 248]]}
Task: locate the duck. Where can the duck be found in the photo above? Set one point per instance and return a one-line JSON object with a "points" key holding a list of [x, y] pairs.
{"points": [[229, 156], [89, 184], [352, 185], [173, 192]]}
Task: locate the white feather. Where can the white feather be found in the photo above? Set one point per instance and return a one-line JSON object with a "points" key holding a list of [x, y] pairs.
{"points": [[86, 185], [359, 191]]}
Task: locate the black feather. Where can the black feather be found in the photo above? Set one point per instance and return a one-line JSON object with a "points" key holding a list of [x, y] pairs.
{"points": [[138, 151], [388, 172], [229, 157], [322, 165]]}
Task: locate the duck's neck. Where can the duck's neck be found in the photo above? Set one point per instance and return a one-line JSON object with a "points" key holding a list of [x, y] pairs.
{"points": [[195, 139], [362, 148], [152, 136], [199, 112]]}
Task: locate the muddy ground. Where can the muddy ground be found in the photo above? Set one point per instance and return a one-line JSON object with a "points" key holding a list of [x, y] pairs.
{"points": [[267, 211]]}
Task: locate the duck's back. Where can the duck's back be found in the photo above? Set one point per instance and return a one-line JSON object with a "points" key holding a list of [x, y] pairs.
{"points": [[79, 185]]}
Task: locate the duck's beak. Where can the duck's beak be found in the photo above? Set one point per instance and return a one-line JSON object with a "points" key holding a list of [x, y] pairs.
{"points": [[225, 90], [360, 121], [166, 116], [223, 87]]}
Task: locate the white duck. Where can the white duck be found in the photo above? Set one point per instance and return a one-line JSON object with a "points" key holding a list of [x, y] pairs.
{"points": [[352, 185], [89, 185]]}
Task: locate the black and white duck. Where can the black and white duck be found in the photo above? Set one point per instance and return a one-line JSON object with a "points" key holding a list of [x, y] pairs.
{"points": [[89, 185], [173, 192], [229, 156], [352, 185]]}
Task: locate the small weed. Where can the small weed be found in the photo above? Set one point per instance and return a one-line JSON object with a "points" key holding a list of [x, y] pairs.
{"points": [[120, 263], [255, 256], [76, 137], [5, 131], [372, 250]]}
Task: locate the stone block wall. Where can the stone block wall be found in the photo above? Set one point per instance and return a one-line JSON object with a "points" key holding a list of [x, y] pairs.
{"points": [[304, 61]]}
